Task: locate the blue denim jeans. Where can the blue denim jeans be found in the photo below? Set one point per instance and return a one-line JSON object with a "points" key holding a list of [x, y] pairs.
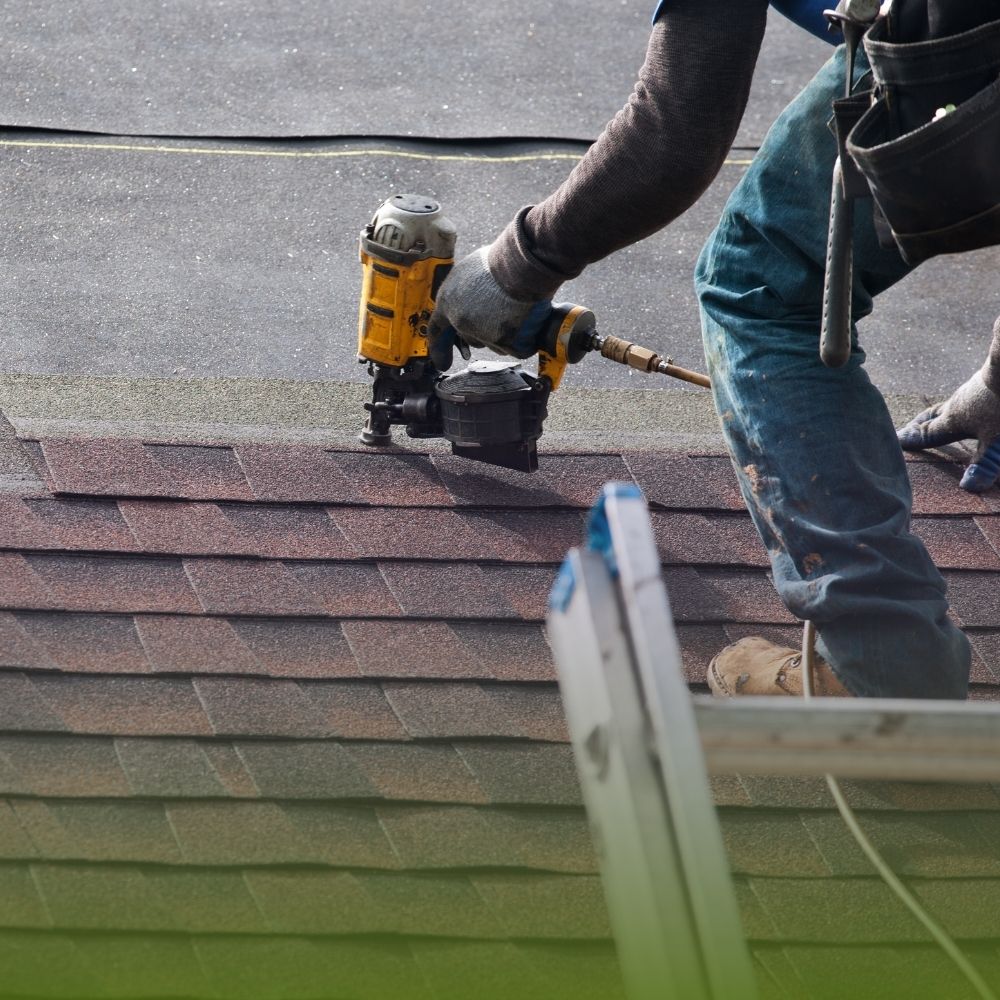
{"points": [[815, 450]]}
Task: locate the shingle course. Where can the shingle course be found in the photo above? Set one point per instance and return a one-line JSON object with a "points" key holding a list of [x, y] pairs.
{"points": [[562, 481], [293, 473], [86, 643], [331, 666], [111, 583], [17, 647], [957, 543], [183, 528], [304, 770], [249, 587], [670, 480], [201, 471], [936, 491], [120, 706], [456, 711], [105, 467], [47, 523]]}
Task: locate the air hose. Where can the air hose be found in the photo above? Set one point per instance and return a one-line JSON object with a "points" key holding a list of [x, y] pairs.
{"points": [[890, 878]]}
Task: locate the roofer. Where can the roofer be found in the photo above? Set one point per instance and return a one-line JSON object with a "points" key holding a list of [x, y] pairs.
{"points": [[815, 451]]}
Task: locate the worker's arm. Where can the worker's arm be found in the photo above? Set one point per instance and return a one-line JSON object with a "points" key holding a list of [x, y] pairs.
{"points": [[651, 163], [971, 412]]}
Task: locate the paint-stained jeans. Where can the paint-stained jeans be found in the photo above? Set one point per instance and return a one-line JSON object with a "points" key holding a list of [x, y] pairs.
{"points": [[814, 448]]}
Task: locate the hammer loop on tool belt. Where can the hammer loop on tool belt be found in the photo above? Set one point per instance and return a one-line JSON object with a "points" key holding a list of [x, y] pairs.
{"points": [[923, 141]]}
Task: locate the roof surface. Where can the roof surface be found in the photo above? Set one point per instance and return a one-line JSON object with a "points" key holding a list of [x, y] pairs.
{"points": [[287, 715], [278, 718]]}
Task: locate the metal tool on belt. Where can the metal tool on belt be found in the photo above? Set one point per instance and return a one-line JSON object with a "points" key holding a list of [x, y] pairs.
{"points": [[493, 410], [852, 18]]}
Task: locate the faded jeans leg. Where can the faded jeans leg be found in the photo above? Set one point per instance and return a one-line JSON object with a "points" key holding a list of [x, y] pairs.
{"points": [[815, 450]]}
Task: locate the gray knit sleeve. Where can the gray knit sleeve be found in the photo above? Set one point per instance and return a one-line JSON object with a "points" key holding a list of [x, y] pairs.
{"points": [[654, 159]]}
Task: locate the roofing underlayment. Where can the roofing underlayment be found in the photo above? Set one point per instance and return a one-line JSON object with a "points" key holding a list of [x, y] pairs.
{"points": [[278, 716]]}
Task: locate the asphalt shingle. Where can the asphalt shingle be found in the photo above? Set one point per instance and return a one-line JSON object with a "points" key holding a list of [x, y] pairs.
{"points": [[677, 481], [563, 481], [958, 543], [204, 472], [112, 583], [87, 642], [292, 696]]}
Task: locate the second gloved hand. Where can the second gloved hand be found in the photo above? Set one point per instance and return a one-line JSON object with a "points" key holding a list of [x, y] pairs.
{"points": [[473, 309], [972, 411]]}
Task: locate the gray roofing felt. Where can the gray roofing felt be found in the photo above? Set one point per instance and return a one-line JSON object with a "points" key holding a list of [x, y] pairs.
{"points": [[206, 260], [272, 69]]}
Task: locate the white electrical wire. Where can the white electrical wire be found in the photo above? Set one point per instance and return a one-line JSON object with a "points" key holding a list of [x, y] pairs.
{"points": [[936, 931]]}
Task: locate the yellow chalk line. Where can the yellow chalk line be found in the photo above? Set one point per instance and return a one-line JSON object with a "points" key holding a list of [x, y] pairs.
{"points": [[305, 154]]}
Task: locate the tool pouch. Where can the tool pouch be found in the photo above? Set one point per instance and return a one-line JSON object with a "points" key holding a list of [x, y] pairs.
{"points": [[935, 180]]}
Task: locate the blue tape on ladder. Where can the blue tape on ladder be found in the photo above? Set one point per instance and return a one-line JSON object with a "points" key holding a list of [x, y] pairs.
{"points": [[598, 530], [598, 540], [562, 590]]}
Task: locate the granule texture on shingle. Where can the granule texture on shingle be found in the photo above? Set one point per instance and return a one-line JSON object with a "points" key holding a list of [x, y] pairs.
{"points": [[100, 831], [286, 473], [537, 535], [45, 765], [561, 481], [286, 532], [671, 480], [434, 772], [177, 768], [20, 584], [24, 706], [203, 472], [40, 522], [957, 543], [412, 533], [175, 527], [346, 589], [297, 647], [696, 539], [289, 769], [91, 583], [454, 711], [124, 705], [975, 597], [250, 587], [17, 647], [88, 643], [392, 480], [531, 773], [396, 649], [936, 490], [107, 467], [453, 590]]}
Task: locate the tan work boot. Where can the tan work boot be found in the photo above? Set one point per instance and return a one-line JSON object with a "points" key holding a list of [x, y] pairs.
{"points": [[756, 666]]}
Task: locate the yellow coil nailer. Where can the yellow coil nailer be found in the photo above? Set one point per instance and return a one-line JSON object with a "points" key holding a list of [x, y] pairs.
{"points": [[492, 411]]}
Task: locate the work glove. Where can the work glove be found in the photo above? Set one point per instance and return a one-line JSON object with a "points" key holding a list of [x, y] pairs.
{"points": [[972, 411], [473, 310]]}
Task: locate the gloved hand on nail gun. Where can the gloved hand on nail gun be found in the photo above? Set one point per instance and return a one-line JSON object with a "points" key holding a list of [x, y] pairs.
{"points": [[473, 309], [972, 411]]}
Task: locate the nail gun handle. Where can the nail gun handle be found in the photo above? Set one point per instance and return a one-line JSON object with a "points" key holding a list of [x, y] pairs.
{"points": [[566, 339]]}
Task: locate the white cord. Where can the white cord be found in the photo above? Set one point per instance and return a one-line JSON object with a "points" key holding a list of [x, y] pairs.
{"points": [[936, 931]]}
